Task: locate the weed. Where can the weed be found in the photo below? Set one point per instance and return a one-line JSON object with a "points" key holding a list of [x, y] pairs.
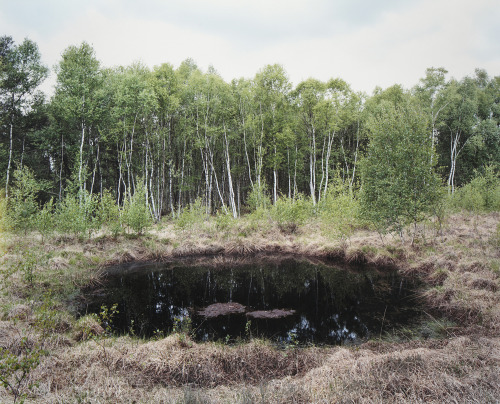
{"points": [[16, 368]]}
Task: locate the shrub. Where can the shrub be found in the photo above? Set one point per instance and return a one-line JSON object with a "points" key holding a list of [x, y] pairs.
{"points": [[482, 194], [22, 205], [136, 212], [44, 220], [290, 213], [193, 215], [108, 214], [257, 198], [339, 211], [223, 220], [76, 214], [16, 367], [399, 183]]}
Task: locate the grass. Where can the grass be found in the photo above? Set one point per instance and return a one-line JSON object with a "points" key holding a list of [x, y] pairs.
{"points": [[454, 356]]}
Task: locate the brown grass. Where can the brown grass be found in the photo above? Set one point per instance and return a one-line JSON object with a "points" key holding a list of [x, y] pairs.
{"points": [[460, 369], [459, 267]]}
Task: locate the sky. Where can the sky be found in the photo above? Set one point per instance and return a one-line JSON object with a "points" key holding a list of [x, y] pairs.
{"points": [[366, 43]]}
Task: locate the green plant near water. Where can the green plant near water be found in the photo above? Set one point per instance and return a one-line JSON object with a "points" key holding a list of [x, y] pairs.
{"points": [[106, 316], [22, 205], [182, 325], [16, 369], [109, 214], [339, 211], [290, 214], [223, 220], [135, 211], [75, 214], [482, 194], [248, 329], [192, 216], [400, 185]]}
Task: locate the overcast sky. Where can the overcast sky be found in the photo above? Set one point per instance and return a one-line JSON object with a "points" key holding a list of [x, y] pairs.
{"points": [[365, 42]]}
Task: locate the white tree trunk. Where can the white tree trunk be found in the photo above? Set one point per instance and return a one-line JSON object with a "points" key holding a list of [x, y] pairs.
{"points": [[229, 178], [10, 160]]}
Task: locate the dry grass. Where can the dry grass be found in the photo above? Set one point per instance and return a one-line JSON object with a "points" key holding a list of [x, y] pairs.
{"points": [[461, 369], [459, 267]]}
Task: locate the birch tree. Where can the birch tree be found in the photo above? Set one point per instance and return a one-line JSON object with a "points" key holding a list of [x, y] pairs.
{"points": [[21, 72], [399, 183], [76, 108]]}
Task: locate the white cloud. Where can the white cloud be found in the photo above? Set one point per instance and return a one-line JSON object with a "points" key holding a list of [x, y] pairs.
{"points": [[365, 43]]}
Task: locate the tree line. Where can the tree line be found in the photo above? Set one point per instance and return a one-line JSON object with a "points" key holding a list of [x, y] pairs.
{"points": [[180, 136]]}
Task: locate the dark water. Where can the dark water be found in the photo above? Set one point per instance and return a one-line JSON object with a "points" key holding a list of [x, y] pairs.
{"points": [[332, 305]]}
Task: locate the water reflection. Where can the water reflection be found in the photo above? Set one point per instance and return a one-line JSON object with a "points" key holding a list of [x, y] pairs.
{"points": [[324, 304]]}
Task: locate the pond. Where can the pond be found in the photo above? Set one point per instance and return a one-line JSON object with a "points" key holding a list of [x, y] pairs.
{"points": [[285, 300]]}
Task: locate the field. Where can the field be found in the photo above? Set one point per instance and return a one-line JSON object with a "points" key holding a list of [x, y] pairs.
{"points": [[456, 359]]}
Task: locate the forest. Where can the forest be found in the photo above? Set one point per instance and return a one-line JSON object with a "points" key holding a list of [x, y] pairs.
{"points": [[174, 166], [183, 137]]}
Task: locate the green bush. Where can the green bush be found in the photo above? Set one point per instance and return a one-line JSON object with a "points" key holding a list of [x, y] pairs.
{"points": [[258, 198], [22, 205], [108, 214], [482, 194], [76, 214], [44, 220], [136, 212], [192, 216], [290, 214], [223, 220], [339, 211]]}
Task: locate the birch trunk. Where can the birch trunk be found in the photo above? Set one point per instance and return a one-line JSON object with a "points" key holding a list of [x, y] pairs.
{"points": [[229, 178], [10, 159]]}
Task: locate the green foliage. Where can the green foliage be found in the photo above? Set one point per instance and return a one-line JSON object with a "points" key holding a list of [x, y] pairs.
{"points": [[399, 183], [182, 325], [290, 214], [4, 219], [223, 220], [482, 194], [339, 210], [192, 216], [108, 214], [44, 220], [136, 212], [27, 265], [22, 205], [106, 316], [76, 214], [258, 198], [16, 368]]}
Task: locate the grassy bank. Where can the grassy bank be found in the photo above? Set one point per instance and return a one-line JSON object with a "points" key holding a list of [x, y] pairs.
{"points": [[458, 260]]}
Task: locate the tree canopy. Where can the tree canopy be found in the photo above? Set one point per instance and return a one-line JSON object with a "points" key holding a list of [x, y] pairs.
{"points": [[181, 135]]}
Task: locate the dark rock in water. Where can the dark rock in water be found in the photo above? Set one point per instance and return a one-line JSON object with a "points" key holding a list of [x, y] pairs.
{"points": [[266, 314], [221, 309]]}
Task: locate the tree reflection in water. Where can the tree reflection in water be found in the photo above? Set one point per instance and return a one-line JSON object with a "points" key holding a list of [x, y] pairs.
{"points": [[324, 304]]}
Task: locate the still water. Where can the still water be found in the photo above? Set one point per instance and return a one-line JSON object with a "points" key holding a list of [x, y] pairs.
{"points": [[286, 300]]}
